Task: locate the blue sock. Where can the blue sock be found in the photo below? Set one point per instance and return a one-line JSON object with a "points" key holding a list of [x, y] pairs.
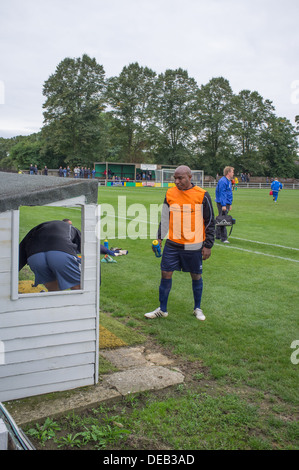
{"points": [[197, 292], [164, 289]]}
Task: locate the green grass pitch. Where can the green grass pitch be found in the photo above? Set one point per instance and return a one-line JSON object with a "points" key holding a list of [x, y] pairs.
{"points": [[250, 295]]}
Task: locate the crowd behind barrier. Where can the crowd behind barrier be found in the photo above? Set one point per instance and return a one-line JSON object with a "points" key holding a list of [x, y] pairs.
{"points": [[257, 182]]}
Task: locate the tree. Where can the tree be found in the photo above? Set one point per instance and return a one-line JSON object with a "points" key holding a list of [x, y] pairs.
{"points": [[213, 125], [279, 147], [251, 114], [27, 151], [175, 113], [6, 161], [130, 95], [74, 102]]}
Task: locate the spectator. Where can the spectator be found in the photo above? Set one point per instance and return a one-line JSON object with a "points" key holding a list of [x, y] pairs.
{"points": [[224, 200]]}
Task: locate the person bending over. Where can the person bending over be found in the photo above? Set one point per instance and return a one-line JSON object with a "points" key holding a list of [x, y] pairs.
{"points": [[50, 249]]}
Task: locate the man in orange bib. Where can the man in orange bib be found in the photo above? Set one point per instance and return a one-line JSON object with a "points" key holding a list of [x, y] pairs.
{"points": [[188, 218]]}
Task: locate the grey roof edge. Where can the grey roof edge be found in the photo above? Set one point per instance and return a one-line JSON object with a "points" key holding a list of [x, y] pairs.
{"points": [[28, 190]]}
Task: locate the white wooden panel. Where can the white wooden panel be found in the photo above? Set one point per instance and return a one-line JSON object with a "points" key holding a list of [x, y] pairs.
{"points": [[90, 236], [46, 364], [15, 229], [5, 236], [24, 344], [89, 274], [49, 388], [5, 263], [90, 286], [91, 213], [90, 249], [45, 329], [5, 219], [55, 301], [4, 290], [46, 315], [13, 357], [90, 254], [47, 377]]}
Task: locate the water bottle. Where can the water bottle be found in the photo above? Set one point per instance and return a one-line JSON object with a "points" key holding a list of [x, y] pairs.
{"points": [[157, 249], [106, 245]]}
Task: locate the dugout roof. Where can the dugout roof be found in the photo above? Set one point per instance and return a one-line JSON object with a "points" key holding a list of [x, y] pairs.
{"points": [[34, 190]]}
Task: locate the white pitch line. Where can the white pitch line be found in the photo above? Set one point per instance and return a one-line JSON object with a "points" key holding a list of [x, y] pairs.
{"points": [[264, 243], [258, 253], [233, 247], [235, 238]]}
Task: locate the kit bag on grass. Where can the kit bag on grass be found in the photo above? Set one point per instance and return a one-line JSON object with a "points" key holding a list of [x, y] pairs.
{"points": [[225, 221]]}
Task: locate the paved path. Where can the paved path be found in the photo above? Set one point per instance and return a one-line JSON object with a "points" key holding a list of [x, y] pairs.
{"points": [[138, 371]]}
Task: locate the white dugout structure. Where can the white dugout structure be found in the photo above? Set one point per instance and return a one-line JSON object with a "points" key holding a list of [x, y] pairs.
{"points": [[49, 341]]}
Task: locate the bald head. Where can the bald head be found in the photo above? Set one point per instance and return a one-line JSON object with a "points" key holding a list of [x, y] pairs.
{"points": [[184, 169], [182, 177]]}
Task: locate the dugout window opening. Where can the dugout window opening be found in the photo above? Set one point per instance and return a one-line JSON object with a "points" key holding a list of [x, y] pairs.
{"points": [[23, 220]]}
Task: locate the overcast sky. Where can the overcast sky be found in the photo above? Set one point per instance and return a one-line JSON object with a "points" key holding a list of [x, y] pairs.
{"points": [[254, 44]]}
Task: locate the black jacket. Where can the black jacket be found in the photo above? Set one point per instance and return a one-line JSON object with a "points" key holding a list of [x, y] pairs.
{"points": [[55, 235]]}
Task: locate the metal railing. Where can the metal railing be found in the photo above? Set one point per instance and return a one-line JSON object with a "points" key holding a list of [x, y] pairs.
{"points": [[213, 184], [249, 185]]}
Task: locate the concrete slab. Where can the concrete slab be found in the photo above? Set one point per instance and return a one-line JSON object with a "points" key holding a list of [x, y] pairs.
{"points": [[159, 359], [78, 400], [139, 371], [126, 357], [143, 378]]}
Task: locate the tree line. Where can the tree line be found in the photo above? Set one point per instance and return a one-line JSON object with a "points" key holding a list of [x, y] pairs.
{"points": [[142, 116]]}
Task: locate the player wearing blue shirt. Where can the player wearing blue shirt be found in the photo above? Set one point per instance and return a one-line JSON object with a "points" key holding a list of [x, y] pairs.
{"points": [[224, 200], [276, 186]]}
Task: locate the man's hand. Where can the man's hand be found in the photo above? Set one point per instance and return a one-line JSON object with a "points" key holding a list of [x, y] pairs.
{"points": [[206, 253], [160, 243]]}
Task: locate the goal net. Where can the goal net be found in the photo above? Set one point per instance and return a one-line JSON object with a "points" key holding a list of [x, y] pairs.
{"points": [[166, 176]]}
